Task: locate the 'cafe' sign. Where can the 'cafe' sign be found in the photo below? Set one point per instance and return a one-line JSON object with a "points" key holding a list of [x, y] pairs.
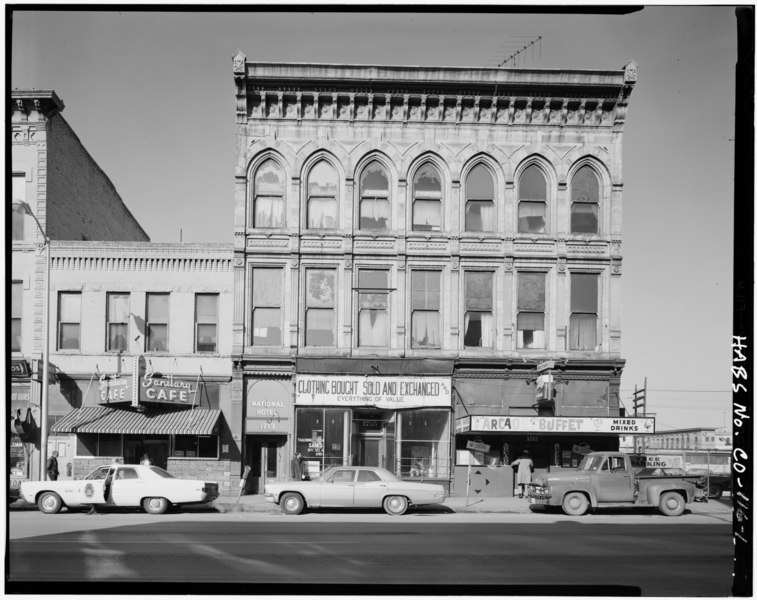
{"points": [[153, 387]]}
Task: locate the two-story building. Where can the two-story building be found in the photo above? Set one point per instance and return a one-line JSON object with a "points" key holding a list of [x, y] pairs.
{"points": [[427, 266]]}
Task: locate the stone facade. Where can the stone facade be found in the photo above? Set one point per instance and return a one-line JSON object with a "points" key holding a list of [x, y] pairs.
{"points": [[432, 139]]}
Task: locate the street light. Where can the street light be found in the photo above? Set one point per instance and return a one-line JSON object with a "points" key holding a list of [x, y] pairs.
{"points": [[22, 207]]}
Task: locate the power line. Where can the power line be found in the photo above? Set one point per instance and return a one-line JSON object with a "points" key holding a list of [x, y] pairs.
{"points": [[685, 391]]}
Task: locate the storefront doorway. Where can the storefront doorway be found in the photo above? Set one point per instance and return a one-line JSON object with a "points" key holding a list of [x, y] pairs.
{"points": [[156, 447], [373, 438], [264, 454]]}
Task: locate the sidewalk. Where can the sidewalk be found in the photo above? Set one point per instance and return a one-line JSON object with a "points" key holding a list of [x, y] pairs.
{"points": [[458, 504]]}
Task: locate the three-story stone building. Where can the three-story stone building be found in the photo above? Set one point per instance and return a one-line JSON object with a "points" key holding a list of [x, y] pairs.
{"points": [[427, 266]]}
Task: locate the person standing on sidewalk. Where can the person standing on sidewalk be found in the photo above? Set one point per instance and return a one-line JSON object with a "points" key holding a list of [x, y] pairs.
{"points": [[525, 466], [52, 466], [298, 467]]}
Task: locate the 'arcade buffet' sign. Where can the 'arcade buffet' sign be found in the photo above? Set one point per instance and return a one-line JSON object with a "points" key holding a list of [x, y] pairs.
{"points": [[503, 424]]}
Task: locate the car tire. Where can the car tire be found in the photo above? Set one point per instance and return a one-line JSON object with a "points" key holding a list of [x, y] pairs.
{"points": [[49, 503], [715, 491], [292, 504], [155, 505], [672, 504], [575, 504], [395, 505]]}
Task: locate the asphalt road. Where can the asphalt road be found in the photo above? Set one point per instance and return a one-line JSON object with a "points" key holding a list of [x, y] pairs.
{"points": [[327, 554]]}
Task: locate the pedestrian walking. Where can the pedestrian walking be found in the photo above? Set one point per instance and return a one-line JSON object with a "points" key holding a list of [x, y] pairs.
{"points": [[299, 471], [525, 466], [52, 466]]}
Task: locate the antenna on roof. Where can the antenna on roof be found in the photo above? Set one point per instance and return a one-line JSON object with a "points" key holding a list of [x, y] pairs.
{"points": [[521, 54]]}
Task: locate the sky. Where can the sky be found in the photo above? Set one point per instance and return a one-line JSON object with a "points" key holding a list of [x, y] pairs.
{"points": [[151, 96]]}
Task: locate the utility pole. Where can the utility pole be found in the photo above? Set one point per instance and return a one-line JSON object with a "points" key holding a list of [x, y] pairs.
{"points": [[640, 404]]}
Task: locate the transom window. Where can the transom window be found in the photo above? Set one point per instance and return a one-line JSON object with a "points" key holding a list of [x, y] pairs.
{"points": [[584, 301], [322, 195], [269, 209], [532, 201], [531, 308], [427, 199], [320, 307], [584, 209], [118, 321], [479, 318], [374, 198], [479, 203], [69, 321]]}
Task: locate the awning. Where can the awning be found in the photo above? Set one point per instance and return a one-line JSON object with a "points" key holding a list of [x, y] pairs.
{"points": [[155, 421], [375, 366]]}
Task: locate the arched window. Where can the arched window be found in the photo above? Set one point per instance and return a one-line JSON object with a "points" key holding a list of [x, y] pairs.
{"points": [[268, 193], [479, 200], [584, 193], [427, 199], [532, 201], [322, 194], [374, 198]]}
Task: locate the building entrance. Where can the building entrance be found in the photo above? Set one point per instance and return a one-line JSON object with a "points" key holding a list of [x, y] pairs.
{"points": [[264, 454], [373, 438]]}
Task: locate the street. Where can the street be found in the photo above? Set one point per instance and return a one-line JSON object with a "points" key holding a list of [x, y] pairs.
{"points": [[204, 552]]}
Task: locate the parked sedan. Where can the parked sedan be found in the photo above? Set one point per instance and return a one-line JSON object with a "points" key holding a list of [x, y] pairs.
{"points": [[354, 487], [152, 488]]}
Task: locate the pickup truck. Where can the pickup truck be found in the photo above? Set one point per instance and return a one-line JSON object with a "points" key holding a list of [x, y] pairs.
{"points": [[608, 480]]}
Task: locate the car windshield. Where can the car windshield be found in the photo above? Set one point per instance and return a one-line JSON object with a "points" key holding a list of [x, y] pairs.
{"points": [[590, 463], [162, 472]]}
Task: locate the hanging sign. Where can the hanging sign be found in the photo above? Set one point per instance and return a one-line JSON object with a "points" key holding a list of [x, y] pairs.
{"points": [[167, 389], [391, 392], [114, 388]]}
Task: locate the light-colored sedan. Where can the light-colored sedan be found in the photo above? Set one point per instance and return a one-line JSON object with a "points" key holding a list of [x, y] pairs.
{"points": [[354, 487], [152, 488]]}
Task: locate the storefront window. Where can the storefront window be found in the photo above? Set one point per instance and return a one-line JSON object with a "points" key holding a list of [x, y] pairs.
{"points": [[320, 436], [424, 445], [195, 446], [96, 444]]}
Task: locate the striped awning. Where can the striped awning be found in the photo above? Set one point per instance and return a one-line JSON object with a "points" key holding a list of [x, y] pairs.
{"points": [[154, 421]]}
